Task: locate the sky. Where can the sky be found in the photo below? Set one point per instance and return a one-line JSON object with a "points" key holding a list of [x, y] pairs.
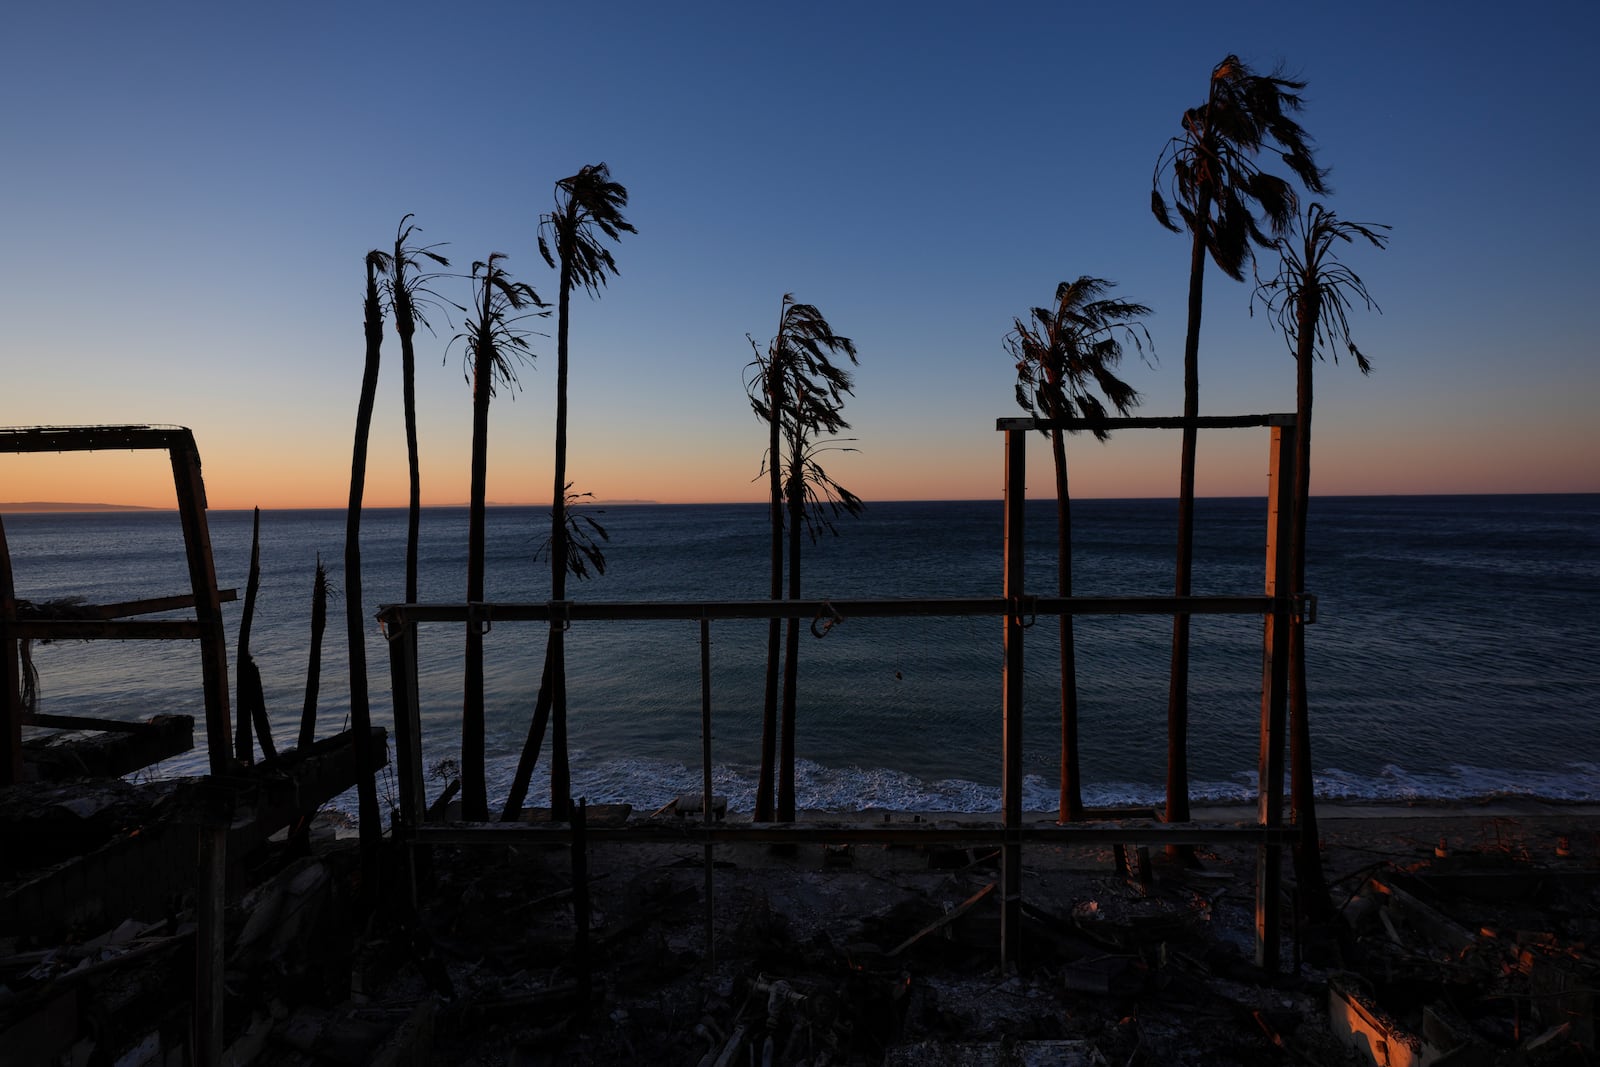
{"points": [[189, 189]]}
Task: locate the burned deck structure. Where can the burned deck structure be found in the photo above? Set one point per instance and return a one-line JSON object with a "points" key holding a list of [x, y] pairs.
{"points": [[82, 847], [113, 621], [1015, 607]]}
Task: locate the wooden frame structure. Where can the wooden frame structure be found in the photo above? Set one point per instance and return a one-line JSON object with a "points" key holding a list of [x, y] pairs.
{"points": [[1013, 831], [109, 621]]}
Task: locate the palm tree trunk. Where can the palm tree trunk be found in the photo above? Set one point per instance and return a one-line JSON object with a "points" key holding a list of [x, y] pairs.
{"points": [[1302, 802], [474, 788], [530, 749], [243, 742], [1178, 679], [1071, 799], [251, 696], [319, 624], [791, 642], [769, 707], [560, 786], [355, 617], [406, 326]]}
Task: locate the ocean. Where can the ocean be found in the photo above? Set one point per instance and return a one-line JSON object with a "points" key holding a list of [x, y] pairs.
{"points": [[1454, 653]]}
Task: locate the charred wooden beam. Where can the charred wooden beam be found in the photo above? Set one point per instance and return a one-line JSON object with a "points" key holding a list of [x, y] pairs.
{"points": [[966, 834], [1143, 422], [116, 749]]}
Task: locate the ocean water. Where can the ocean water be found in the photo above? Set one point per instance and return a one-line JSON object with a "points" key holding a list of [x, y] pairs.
{"points": [[1453, 656]]}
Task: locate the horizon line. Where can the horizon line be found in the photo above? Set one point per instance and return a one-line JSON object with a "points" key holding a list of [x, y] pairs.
{"points": [[40, 507]]}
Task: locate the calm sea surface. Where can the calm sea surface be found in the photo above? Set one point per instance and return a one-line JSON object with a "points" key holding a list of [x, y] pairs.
{"points": [[1454, 655]]}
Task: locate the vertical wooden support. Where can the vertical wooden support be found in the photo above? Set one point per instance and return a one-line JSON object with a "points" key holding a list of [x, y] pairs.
{"points": [[209, 809], [1274, 697], [407, 721], [207, 603], [10, 674], [580, 898], [705, 775], [1011, 690]]}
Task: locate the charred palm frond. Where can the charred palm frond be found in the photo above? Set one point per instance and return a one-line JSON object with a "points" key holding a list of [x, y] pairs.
{"points": [[585, 202], [582, 529], [1211, 173], [1062, 354], [493, 339], [1310, 274]]}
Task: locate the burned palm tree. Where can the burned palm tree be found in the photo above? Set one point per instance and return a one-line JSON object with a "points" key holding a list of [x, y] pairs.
{"points": [[494, 344], [797, 389], [584, 554], [1063, 354], [355, 618], [1310, 299], [1229, 205], [408, 294], [587, 213], [249, 692], [319, 623]]}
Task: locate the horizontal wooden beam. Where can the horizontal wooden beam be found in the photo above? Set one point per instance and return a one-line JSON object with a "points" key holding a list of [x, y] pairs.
{"points": [[16, 439], [1174, 422], [123, 609], [902, 833], [104, 629], [394, 616]]}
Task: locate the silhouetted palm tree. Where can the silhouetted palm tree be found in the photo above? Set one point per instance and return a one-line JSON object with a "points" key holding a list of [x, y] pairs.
{"points": [[1223, 198], [1062, 354], [797, 389], [588, 207], [406, 286], [319, 623], [493, 343], [1310, 298], [371, 829]]}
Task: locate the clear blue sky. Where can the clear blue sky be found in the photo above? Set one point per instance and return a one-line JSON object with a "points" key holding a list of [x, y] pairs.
{"points": [[189, 189]]}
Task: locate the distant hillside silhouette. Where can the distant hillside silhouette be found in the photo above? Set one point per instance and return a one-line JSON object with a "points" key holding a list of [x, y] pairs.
{"points": [[24, 507]]}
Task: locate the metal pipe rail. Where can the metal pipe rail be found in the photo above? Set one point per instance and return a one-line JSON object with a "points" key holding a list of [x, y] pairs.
{"points": [[394, 617]]}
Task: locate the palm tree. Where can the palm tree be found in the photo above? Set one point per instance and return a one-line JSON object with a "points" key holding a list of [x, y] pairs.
{"points": [[1061, 355], [588, 207], [1310, 298], [798, 391], [355, 618], [405, 289], [1223, 198], [493, 342], [319, 623], [584, 552]]}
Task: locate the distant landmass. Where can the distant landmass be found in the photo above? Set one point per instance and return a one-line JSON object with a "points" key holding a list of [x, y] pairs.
{"points": [[586, 503], [23, 507]]}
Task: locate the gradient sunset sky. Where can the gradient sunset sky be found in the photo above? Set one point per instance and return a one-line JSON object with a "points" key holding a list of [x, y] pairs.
{"points": [[189, 190]]}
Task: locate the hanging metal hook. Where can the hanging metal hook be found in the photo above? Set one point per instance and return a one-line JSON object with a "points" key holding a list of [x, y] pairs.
{"points": [[832, 619]]}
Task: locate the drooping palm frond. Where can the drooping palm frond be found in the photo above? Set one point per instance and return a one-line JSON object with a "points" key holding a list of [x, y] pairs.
{"points": [[801, 355], [585, 202], [409, 283], [1311, 277], [582, 529], [1210, 171], [493, 331], [1065, 352]]}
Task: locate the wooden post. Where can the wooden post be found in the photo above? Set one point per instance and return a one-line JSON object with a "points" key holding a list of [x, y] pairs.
{"points": [[1011, 696], [1274, 697], [705, 774], [191, 492], [580, 897], [209, 809], [10, 674]]}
